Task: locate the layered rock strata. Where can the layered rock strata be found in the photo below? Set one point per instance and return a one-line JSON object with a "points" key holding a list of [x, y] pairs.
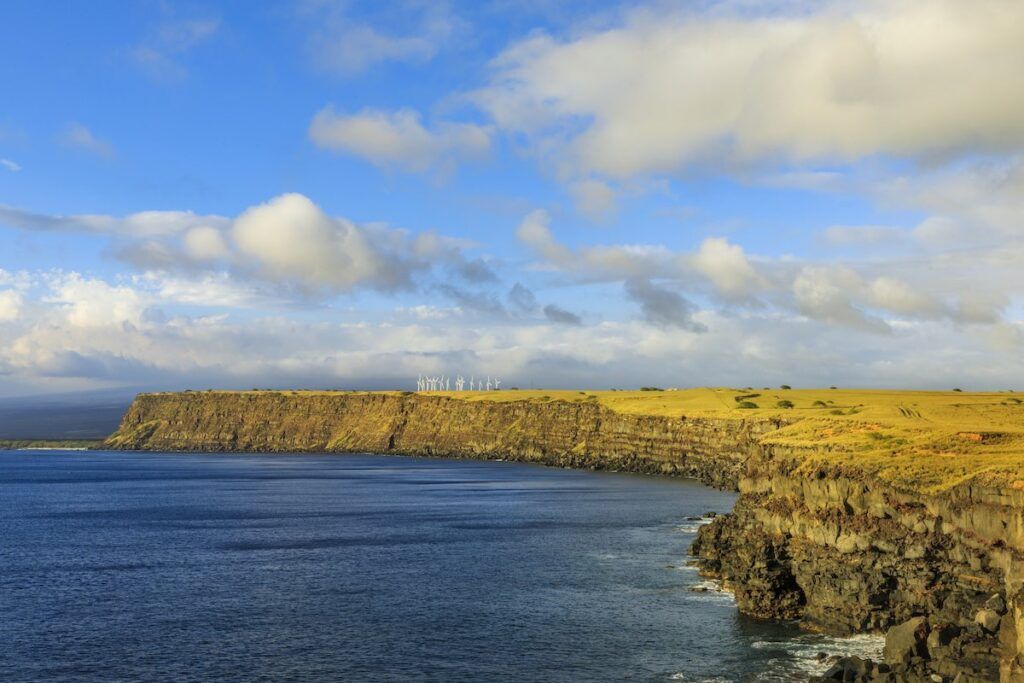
{"points": [[940, 573], [581, 434], [833, 548]]}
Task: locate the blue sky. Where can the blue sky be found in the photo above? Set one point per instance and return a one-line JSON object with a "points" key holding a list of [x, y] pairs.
{"points": [[572, 194]]}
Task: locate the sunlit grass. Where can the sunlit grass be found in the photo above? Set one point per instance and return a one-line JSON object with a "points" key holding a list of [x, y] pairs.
{"points": [[923, 440]]}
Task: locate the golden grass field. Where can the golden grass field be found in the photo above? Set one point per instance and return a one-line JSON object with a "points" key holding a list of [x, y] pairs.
{"points": [[923, 440]]}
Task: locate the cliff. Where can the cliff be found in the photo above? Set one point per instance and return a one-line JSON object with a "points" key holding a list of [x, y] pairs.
{"points": [[891, 512], [581, 434], [940, 573]]}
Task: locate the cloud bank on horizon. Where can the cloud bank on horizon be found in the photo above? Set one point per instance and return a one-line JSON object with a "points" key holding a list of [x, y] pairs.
{"points": [[342, 194]]}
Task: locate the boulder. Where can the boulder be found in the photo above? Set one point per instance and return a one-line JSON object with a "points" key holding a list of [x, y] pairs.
{"points": [[988, 619], [906, 641]]}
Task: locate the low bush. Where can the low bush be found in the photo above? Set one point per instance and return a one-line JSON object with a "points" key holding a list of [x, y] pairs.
{"points": [[784, 404], [746, 405]]}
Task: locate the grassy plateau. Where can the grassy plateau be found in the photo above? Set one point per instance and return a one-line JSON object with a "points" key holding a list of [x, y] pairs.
{"points": [[922, 440]]}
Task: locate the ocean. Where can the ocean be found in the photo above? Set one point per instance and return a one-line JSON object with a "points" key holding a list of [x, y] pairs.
{"points": [[160, 567]]}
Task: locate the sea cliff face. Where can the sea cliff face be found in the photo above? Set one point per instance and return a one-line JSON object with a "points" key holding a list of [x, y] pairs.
{"points": [[941, 574], [835, 548], [581, 434]]}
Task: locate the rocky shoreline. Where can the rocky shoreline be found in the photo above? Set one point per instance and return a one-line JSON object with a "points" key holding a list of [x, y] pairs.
{"points": [[837, 550], [937, 574]]}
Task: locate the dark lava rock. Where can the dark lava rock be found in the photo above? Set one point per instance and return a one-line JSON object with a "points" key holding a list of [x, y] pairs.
{"points": [[857, 670], [907, 641]]}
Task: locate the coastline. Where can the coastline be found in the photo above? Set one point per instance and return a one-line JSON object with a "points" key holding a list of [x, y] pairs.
{"points": [[832, 544]]}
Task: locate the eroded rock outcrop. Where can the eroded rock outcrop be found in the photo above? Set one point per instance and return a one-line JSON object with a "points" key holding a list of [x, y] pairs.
{"points": [[845, 555]]}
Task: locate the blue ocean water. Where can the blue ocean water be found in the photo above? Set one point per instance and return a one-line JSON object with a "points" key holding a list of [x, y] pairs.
{"points": [[137, 566]]}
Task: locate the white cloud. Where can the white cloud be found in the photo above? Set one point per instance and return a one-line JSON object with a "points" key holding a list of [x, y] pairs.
{"points": [[10, 305], [81, 331], [11, 166], [205, 243], [290, 238], [77, 136], [828, 294], [288, 242], [894, 295], [95, 303], [348, 47], [534, 232], [398, 139], [835, 81], [728, 269]]}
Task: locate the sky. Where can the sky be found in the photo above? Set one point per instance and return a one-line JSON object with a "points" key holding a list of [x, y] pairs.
{"points": [[345, 194]]}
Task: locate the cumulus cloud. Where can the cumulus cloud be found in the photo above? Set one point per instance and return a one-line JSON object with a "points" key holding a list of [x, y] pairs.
{"points": [[661, 306], [894, 295], [398, 139], [728, 269], [95, 303], [287, 241], [837, 81], [10, 305], [828, 294], [534, 232], [291, 239], [718, 263], [77, 136]]}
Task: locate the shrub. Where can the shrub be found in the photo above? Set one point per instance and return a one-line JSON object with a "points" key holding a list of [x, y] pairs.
{"points": [[784, 404], [651, 389], [836, 411], [785, 386], [832, 387], [746, 405], [820, 404], [957, 389], [744, 397]]}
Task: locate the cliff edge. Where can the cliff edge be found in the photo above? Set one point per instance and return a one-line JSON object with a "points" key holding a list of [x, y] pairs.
{"points": [[580, 434], [895, 512]]}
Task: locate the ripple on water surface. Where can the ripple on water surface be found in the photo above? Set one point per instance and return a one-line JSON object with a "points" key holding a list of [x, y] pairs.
{"points": [[263, 568]]}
